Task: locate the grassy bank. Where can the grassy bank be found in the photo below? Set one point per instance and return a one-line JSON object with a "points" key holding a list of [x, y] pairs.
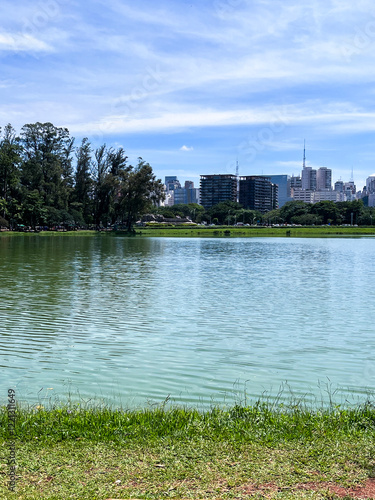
{"points": [[47, 233], [240, 452], [219, 232], [256, 231]]}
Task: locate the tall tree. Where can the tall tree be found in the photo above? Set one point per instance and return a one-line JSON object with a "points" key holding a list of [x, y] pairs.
{"points": [[100, 168], [118, 168], [44, 151], [139, 190], [10, 151], [67, 173], [82, 195]]}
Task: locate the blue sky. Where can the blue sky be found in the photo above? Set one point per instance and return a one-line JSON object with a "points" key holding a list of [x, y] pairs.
{"points": [[193, 86]]}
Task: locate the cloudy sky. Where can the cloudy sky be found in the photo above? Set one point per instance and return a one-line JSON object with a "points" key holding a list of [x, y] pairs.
{"points": [[193, 86]]}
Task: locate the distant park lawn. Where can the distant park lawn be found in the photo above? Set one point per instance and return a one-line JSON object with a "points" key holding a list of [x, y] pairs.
{"points": [[256, 231], [218, 231]]}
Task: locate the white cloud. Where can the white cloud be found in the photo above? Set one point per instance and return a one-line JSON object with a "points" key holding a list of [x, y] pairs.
{"points": [[186, 148], [271, 121], [20, 42]]}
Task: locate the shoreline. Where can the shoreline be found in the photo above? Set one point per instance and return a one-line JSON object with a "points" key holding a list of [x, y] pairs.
{"points": [[215, 232]]}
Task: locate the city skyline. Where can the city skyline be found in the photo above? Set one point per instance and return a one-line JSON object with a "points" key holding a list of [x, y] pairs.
{"points": [[192, 87]]}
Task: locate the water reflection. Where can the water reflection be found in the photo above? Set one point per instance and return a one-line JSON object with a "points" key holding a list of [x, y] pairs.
{"points": [[137, 319]]}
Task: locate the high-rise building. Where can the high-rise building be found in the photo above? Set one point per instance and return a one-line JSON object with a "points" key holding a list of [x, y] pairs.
{"points": [[350, 190], [326, 195], [295, 182], [217, 188], [324, 179], [257, 192], [370, 184], [172, 183], [309, 179], [187, 194], [339, 186], [305, 195], [284, 187]]}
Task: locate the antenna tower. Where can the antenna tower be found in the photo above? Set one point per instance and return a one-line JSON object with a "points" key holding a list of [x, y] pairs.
{"points": [[304, 155], [238, 180]]}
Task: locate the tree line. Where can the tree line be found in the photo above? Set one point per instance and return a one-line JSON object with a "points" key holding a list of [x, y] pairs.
{"points": [[293, 212], [47, 180]]}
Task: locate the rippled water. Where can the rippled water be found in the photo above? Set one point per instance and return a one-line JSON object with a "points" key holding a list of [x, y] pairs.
{"points": [[133, 320]]}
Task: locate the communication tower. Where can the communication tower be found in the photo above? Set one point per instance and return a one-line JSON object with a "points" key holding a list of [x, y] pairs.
{"points": [[238, 180]]}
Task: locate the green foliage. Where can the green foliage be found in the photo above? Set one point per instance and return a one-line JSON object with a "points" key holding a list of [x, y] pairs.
{"points": [[307, 220], [138, 191], [45, 150], [327, 212], [10, 158], [82, 194], [293, 209], [225, 212]]}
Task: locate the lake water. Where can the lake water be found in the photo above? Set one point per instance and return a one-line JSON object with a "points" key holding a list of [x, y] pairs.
{"points": [[131, 321]]}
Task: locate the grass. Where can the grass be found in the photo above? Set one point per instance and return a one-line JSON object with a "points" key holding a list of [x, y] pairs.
{"points": [[219, 231], [48, 233], [258, 451], [256, 231]]}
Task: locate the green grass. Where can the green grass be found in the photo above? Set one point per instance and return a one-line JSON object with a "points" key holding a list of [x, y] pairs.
{"points": [[48, 233], [230, 231], [219, 231], [175, 452]]}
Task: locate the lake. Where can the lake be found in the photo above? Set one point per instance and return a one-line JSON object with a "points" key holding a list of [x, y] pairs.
{"points": [[131, 321]]}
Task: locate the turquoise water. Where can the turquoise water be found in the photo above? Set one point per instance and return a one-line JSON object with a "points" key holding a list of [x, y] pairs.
{"points": [[131, 321]]}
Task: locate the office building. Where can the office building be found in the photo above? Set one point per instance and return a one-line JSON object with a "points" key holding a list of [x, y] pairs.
{"points": [[339, 186], [187, 194], [308, 178], [305, 195], [284, 187], [295, 182], [326, 195], [370, 184], [217, 188], [172, 183], [324, 179], [258, 193]]}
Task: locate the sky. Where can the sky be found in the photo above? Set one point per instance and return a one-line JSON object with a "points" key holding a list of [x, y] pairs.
{"points": [[193, 86]]}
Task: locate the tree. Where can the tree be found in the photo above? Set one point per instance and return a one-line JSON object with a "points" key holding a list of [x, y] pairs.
{"points": [[67, 173], [307, 220], [100, 168], [107, 168], [368, 217], [82, 194], [33, 212], [46, 159], [10, 151], [139, 190], [294, 209], [272, 217], [327, 212], [117, 161], [225, 210]]}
